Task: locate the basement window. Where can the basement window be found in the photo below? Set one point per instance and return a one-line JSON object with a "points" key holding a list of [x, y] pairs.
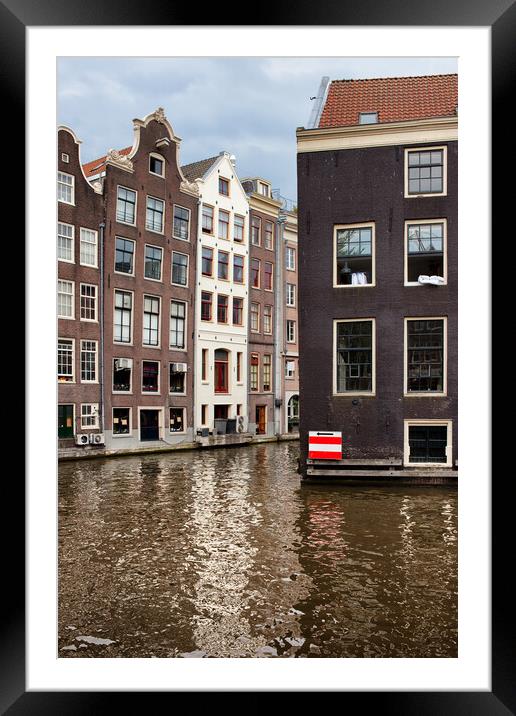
{"points": [[428, 443]]}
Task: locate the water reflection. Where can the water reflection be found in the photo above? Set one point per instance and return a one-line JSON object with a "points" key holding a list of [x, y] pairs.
{"points": [[224, 554]]}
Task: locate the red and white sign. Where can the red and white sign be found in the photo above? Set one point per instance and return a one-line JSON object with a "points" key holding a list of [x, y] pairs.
{"points": [[324, 445]]}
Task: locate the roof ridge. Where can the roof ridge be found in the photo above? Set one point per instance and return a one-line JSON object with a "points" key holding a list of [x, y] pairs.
{"points": [[395, 77]]}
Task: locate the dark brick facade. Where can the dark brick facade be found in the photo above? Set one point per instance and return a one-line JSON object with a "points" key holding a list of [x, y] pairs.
{"points": [[354, 186]]}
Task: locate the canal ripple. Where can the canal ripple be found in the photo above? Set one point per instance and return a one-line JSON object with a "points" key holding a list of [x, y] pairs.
{"points": [[224, 554]]}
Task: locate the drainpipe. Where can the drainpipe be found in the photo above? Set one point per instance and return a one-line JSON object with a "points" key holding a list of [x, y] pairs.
{"points": [[102, 226], [195, 427], [279, 324]]}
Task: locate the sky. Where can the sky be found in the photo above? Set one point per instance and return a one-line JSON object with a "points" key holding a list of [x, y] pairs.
{"points": [[248, 106]]}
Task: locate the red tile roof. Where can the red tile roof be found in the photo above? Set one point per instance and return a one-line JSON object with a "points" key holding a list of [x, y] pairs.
{"points": [[98, 165], [396, 99]]}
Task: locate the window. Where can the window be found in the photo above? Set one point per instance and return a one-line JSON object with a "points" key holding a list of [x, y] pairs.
{"points": [[255, 317], [123, 317], [354, 341], [290, 258], [65, 158], [206, 306], [88, 361], [425, 245], [181, 228], [178, 324], [425, 355], [263, 189], [126, 205], [176, 379], [239, 368], [223, 186], [255, 273], [239, 409], [65, 242], [222, 309], [425, 171], [89, 415], [153, 261], [255, 230], [88, 247], [238, 228], [204, 364], [267, 319], [291, 331], [177, 420], [428, 442], [354, 255], [238, 269], [368, 117], [269, 235], [154, 215], [290, 369], [204, 414], [267, 276], [238, 311], [65, 299], [156, 165], [150, 376], [221, 371], [207, 219], [223, 224], [65, 360], [223, 265], [207, 261], [179, 269], [122, 375], [266, 374], [121, 421], [65, 188], [88, 302], [253, 375], [124, 256], [291, 294], [150, 321]]}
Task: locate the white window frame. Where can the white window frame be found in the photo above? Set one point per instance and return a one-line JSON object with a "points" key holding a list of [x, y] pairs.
{"points": [[185, 379], [352, 393], [268, 333], [271, 289], [185, 304], [180, 253], [361, 225], [149, 278], [291, 294], [71, 238], [121, 392], [445, 170], [418, 222], [122, 435], [148, 392], [73, 380], [156, 346], [119, 221], [123, 273], [89, 382], [94, 414], [72, 284], [290, 251], [65, 158], [177, 407], [96, 244], [161, 159], [123, 343], [72, 187], [185, 208], [290, 374], [254, 330], [426, 394], [155, 198], [293, 325], [449, 443], [89, 320]]}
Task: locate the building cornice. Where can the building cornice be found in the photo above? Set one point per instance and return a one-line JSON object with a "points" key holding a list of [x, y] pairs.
{"points": [[440, 129], [265, 204]]}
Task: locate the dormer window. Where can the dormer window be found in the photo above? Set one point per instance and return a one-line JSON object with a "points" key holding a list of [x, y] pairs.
{"points": [[263, 189], [368, 118], [156, 165]]}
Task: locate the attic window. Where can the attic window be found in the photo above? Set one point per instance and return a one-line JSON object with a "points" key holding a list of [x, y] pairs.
{"points": [[156, 165], [368, 118], [65, 158]]}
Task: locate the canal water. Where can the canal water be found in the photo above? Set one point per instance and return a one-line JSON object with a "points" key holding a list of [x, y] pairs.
{"points": [[224, 553]]}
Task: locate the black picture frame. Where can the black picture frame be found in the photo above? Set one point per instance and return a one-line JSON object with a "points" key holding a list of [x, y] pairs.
{"points": [[500, 16]]}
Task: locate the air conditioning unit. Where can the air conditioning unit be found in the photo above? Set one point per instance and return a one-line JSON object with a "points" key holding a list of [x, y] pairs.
{"points": [[82, 439], [179, 367], [240, 424], [97, 438]]}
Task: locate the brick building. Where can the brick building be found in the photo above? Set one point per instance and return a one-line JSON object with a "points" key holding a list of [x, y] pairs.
{"points": [[377, 179]]}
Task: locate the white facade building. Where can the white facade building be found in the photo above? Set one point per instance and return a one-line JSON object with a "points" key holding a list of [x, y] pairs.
{"points": [[220, 360]]}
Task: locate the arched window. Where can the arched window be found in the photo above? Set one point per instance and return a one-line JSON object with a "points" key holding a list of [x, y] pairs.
{"points": [[221, 371], [293, 413]]}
